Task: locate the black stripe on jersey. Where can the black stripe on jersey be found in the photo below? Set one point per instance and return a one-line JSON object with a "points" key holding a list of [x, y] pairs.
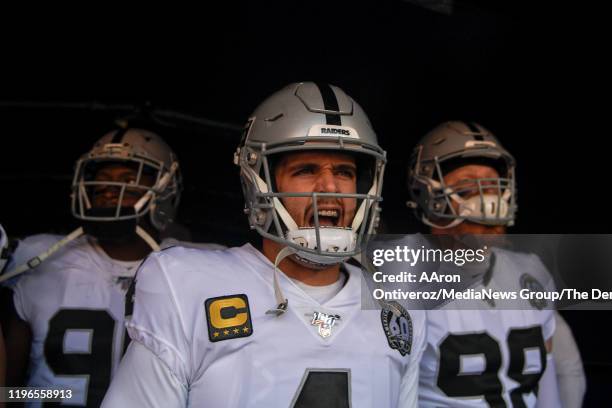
{"points": [[330, 103], [118, 136], [489, 273]]}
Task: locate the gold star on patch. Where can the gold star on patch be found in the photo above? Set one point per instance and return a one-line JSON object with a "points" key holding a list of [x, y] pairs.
{"points": [[216, 334], [246, 330], [226, 332], [236, 331]]}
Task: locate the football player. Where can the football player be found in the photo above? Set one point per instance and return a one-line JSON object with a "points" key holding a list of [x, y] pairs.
{"points": [[65, 323], [461, 181], [280, 325]]}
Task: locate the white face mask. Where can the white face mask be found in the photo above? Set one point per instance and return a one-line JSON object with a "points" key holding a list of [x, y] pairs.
{"points": [[483, 208], [488, 207], [333, 240]]}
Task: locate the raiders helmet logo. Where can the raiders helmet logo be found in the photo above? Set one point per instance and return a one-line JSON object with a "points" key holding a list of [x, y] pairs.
{"points": [[397, 325]]}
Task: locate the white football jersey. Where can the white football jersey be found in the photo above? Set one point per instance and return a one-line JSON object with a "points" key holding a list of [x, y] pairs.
{"points": [[203, 313], [489, 357], [27, 249], [74, 305]]}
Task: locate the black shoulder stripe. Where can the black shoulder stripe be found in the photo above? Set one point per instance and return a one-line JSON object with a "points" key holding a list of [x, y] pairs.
{"points": [[118, 136], [330, 103]]}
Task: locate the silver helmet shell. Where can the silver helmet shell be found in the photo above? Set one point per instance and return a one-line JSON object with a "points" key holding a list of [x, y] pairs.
{"points": [[147, 153], [302, 117], [464, 143]]}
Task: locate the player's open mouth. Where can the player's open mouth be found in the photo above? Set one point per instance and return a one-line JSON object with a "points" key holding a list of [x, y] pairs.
{"points": [[327, 218]]}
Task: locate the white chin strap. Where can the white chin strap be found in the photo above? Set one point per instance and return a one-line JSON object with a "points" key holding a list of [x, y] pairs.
{"points": [[147, 238], [281, 301], [490, 208], [160, 186]]}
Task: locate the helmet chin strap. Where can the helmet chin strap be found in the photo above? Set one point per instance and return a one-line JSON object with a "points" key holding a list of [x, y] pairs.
{"points": [[147, 238], [281, 301], [161, 185], [358, 219]]}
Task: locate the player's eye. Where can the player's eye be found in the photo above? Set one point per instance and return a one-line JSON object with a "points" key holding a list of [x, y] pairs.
{"points": [[346, 173], [464, 189], [305, 170], [129, 179]]}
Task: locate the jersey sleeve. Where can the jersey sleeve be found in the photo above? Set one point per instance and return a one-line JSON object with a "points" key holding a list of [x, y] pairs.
{"points": [[20, 300], [156, 322], [26, 250], [570, 373], [30, 247], [549, 325], [143, 380], [542, 275], [548, 389]]}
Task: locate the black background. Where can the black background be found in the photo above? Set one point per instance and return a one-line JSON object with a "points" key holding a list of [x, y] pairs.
{"points": [[531, 74]]}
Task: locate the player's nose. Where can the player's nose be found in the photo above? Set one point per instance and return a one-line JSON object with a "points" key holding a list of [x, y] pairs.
{"points": [[326, 182]]}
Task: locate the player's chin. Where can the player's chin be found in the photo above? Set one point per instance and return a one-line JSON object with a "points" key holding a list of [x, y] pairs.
{"points": [[104, 205], [470, 228]]}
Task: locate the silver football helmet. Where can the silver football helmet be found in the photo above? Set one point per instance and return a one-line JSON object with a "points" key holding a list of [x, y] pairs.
{"points": [[302, 117], [489, 201], [147, 154]]}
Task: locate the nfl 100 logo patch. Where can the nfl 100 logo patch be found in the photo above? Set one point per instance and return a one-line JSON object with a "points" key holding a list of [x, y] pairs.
{"points": [[397, 325]]}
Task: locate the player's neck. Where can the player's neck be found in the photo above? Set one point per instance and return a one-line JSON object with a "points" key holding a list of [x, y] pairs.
{"points": [[295, 270], [470, 228], [128, 249]]}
